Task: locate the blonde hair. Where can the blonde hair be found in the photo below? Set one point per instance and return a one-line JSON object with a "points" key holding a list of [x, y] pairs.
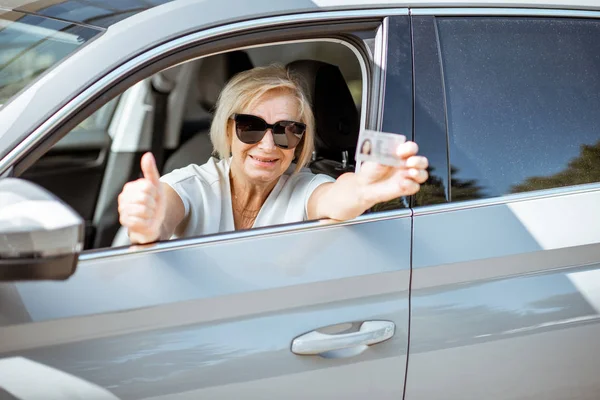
{"points": [[247, 88]]}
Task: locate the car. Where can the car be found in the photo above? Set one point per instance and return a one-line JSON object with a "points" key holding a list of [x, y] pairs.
{"points": [[483, 285]]}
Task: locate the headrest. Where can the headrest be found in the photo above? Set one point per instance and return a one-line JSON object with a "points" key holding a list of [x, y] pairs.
{"points": [[336, 117], [215, 71]]}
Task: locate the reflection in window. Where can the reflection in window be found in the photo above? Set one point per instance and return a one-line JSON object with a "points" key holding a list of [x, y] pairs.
{"points": [[99, 120], [95, 12], [433, 191], [30, 45], [523, 96], [583, 169]]}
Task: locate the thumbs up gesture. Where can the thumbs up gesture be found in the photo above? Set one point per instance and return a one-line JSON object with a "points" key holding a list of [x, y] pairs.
{"points": [[142, 204]]}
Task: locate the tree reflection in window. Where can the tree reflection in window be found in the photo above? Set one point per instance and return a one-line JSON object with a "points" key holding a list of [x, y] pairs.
{"points": [[581, 170]]}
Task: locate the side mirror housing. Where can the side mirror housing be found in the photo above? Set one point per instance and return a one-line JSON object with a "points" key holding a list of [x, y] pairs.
{"points": [[40, 236]]}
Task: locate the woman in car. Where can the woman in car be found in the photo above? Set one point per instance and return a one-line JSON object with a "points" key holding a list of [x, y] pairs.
{"points": [[263, 123]]}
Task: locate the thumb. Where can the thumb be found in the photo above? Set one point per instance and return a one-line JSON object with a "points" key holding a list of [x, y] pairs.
{"points": [[149, 168]]}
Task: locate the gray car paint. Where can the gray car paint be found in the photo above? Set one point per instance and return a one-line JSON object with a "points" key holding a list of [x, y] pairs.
{"points": [[33, 221], [217, 318], [505, 301], [472, 284]]}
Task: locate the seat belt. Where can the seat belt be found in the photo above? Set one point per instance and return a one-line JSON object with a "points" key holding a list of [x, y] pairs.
{"points": [[159, 125], [161, 87]]}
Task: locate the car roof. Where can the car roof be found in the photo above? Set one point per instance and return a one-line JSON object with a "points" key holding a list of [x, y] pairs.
{"points": [[104, 13]]}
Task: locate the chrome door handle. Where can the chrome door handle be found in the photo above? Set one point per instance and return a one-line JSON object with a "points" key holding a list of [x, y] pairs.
{"points": [[370, 332]]}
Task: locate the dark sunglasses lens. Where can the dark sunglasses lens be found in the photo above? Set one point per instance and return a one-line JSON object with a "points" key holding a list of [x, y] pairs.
{"points": [[287, 135], [249, 129]]}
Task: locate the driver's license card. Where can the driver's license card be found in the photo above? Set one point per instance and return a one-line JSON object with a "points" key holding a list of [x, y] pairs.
{"points": [[379, 147]]}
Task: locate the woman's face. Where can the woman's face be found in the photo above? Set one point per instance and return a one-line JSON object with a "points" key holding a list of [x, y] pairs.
{"points": [[263, 162]]}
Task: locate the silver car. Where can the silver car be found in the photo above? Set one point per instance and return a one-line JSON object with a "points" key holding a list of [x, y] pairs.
{"points": [[485, 285]]}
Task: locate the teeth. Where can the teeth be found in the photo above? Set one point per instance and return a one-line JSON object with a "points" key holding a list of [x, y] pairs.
{"points": [[264, 159]]}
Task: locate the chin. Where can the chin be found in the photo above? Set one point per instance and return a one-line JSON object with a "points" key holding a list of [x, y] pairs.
{"points": [[263, 176]]}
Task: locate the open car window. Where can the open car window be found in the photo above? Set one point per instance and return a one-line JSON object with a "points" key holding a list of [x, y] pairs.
{"points": [[30, 45], [102, 153]]}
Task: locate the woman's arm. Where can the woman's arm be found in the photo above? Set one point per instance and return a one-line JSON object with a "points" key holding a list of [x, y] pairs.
{"points": [[354, 193], [174, 214]]}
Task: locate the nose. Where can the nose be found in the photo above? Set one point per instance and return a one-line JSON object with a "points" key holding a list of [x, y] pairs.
{"points": [[267, 142]]}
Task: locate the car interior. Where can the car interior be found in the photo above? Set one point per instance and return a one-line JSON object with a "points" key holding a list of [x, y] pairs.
{"points": [[170, 114]]}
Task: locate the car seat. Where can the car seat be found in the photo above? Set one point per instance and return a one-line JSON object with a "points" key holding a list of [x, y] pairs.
{"points": [[337, 121], [213, 74]]}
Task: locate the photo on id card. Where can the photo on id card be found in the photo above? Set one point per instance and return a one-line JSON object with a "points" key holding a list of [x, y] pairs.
{"points": [[379, 147]]}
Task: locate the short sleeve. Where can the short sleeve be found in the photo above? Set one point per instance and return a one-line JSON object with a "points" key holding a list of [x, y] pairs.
{"points": [[177, 179], [314, 183]]}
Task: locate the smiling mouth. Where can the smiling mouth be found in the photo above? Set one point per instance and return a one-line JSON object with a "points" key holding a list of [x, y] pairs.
{"points": [[264, 159]]}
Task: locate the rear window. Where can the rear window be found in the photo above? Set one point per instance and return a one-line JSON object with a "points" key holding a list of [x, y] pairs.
{"points": [[30, 45], [523, 98]]}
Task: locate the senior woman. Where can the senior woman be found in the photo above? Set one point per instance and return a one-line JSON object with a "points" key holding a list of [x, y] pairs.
{"points": [[262, 124]]}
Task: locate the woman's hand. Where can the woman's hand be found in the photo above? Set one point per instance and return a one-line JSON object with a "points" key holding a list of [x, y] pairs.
{"points": [[378, 183], [354, 193], [142, 204]]}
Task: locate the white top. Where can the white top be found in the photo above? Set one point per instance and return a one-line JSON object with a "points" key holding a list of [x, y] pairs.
{"points": [[206, 196]]}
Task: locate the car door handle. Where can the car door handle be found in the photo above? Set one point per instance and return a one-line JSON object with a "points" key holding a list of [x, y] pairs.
{"points": [[370, 332]]}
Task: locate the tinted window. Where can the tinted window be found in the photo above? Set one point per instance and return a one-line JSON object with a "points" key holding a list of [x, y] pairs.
{"points": [[523, 103], [398, 96], [30, 45]]}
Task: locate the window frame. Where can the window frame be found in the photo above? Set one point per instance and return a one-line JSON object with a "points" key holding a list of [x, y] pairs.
{"points": [[423, 136], [212, 41]]}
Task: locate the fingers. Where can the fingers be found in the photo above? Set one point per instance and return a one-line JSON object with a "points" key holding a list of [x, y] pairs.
{"points": [[416, 166], [136, 224], [139, 192], [407, 149], [142, 205], [137, 210], [383, 183], [418, 162], [415, 169], [417, 175], [149, 168], [389, 189], [371, 171], [408, 187]]}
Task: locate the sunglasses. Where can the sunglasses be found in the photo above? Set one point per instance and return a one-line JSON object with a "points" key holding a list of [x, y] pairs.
{"points": [[250, 129]]}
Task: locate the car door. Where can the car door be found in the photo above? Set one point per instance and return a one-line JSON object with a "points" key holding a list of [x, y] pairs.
{"points": [[506, 258], [217, 316]]}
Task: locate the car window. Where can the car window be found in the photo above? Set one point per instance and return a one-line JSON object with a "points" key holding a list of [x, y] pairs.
{"points": [[99, 120], [30, 45], [102, 153], [522, 96]]}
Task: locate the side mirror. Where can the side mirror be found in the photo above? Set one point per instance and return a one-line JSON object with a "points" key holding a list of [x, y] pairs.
{"points": [[40, 236]]}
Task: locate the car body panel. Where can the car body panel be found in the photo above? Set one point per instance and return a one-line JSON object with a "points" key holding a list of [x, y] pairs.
{"points": [[190, 318], [505, 291], [510, 289]]}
